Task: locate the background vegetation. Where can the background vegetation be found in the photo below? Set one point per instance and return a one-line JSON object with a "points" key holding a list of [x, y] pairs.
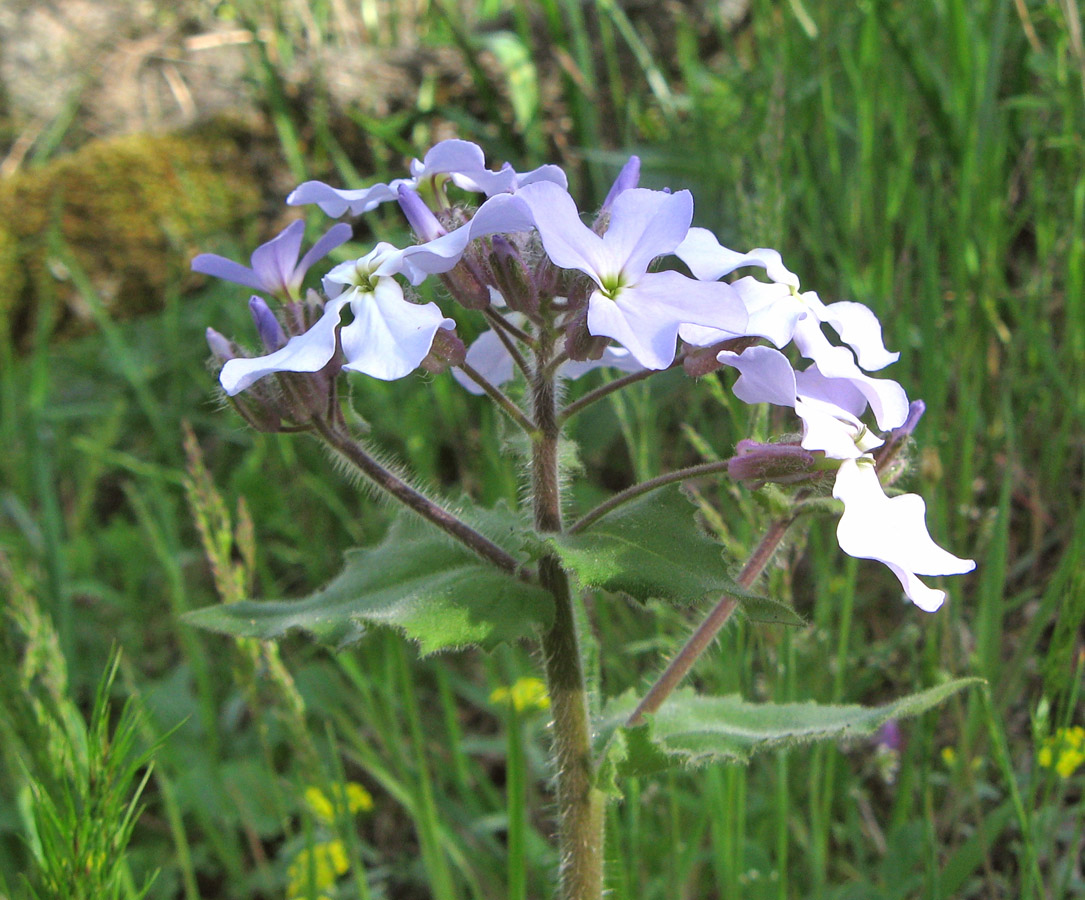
{"points": [[926, 159]]}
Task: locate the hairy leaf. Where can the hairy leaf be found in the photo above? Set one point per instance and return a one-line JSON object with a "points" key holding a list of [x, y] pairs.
{"points": [[690, 730], [433, 590], [653, 548]]}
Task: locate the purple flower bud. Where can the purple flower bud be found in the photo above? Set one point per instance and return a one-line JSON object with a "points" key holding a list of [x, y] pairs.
{"points": [[627, 178], [889, 736], [419, 216], [886, 454], [700, 361], [221, 347], [781, 463], [267, 326], [447, 350]]}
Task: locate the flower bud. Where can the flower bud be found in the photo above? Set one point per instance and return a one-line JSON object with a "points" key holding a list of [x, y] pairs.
{"points": [[783, 463], [420, 217], [580, 344], [512, 277], [628, 177], [447, 350], [700, 361], [267, 326], [222, 348], [468, 283], [885, 456]]}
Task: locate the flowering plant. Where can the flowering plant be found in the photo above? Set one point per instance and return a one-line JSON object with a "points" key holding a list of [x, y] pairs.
{"points": [[562, 296]]}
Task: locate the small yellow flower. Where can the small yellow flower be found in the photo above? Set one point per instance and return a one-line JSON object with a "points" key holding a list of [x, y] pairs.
{"points": [[324, 863], [949, 757], [357, 799], [525, 693], [1064, 751]]}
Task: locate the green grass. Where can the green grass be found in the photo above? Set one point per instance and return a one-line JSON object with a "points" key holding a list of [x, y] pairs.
{"points": [[925, 159]]}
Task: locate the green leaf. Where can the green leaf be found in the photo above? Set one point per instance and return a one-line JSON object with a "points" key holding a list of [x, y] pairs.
{"points": [[653, 548], [691, 730], [769, 612], [433, 590]]}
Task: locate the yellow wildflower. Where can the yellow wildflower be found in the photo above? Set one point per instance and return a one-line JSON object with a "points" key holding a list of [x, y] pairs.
{"points": [[525, 693], [1064, 751], [355, 797], [324, 863]]}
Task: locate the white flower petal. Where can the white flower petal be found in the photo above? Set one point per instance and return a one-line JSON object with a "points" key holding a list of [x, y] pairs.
{"points": [[831, 430], [308, 352], [767, 376], [860, 329], [335, 202], [389, 336], [891, 530], [643, 225], [568, 242], [709, 261], [488, 356], [772, 309], [613, 358], [887, 399]]}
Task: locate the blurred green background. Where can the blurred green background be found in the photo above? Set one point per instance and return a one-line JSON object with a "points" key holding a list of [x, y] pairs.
{"points": [[927, 159]]}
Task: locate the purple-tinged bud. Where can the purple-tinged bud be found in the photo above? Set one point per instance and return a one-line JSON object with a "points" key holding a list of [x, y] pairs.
{"points": [[222, 348], [886, 455], [700, 361], [783, 463], [628, 177], [888, 744], [512, 277], [889, 736], [580, 344], [447, 350], [267, 326], [420, 217]]}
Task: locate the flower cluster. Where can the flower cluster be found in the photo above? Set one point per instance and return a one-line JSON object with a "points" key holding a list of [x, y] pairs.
{"points": [[1063, 751], [606, 289]]}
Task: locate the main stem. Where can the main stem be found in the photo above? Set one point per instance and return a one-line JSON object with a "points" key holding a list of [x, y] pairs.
{"points": [[580, 804]]}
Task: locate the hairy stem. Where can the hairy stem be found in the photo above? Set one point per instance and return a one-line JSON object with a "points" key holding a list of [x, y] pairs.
{"points": [[644, 487], [509, 334], [708, 629], [414, 499], [499, 397], [580, 804]]}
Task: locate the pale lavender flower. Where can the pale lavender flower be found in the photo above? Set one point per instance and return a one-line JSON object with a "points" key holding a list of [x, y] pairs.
{"points": [[873, 526], [462, 162], [802, 313], [767, 377], [274, 266], [641, 310]]}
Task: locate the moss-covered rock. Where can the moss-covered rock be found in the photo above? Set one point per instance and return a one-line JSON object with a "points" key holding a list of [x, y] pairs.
{"points": [[130, 212]]}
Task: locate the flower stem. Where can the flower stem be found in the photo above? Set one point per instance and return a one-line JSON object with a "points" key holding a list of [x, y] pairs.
{"points": [[708, 629], [644, 487], [414, 499], [509, 334], [611, 386], [499, 397], [580, 804]]}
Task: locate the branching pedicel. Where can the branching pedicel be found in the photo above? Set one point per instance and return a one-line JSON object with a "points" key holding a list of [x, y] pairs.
{"points": [[561, 298]]}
